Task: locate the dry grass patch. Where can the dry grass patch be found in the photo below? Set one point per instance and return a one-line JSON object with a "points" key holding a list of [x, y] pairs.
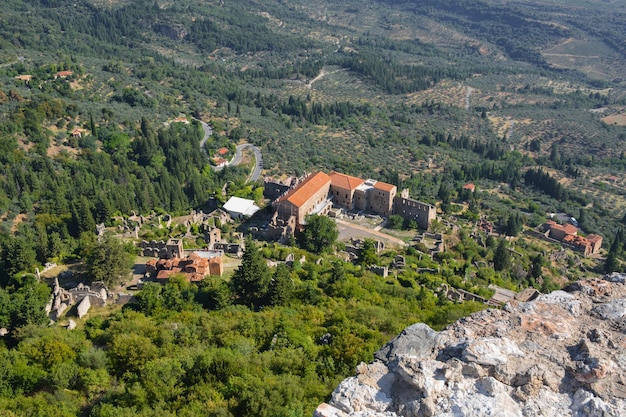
{"points": [[615, 119]]}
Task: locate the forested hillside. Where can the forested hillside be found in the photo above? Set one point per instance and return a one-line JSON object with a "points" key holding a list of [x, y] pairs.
{"points": [[102, 104]]}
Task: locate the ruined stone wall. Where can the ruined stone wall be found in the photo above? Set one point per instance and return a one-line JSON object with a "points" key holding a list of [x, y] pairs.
{"points": [[412, 209]]}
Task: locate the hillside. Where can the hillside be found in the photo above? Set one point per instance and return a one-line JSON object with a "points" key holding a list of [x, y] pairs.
{"points": [[120, 109]]}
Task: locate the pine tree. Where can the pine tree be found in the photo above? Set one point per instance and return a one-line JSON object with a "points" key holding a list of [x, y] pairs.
{"points": [[281, 287], [251, 280], [501, 256], [612, 264]]}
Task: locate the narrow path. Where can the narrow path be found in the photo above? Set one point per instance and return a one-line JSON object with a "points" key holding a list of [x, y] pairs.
{"points": [[322, 74], [511, 129], [467, 97]]}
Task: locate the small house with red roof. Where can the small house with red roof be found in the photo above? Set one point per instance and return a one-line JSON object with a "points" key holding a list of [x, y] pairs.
{"points": [[181, 119], [470, 186], [63, 74], [219, 162]]}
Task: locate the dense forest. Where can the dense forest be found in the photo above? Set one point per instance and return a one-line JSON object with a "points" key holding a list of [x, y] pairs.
{"points": [[102, 107]]}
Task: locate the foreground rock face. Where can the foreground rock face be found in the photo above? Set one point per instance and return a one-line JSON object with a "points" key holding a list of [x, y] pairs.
{"points": [[563, 354]]}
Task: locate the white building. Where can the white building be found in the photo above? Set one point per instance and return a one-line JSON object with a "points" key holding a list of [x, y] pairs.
{"points": [[240, 207]]}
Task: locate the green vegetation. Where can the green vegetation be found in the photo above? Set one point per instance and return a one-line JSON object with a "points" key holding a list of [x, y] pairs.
{"points": [[517, 98], [319, 234]]}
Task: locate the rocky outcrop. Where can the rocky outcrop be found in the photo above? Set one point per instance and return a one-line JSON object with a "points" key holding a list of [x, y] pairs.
{"points": [[563, 354]]}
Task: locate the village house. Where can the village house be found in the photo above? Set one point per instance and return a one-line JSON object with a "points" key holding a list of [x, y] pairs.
{"points": [[470, 186], [181, 119], [568, 235], [219, 162], [63, 74]]}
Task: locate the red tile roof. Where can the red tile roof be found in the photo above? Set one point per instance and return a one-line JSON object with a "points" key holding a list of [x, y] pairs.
{"points": [[344, 181], [306, 189], [383, 186], [222, 151], [568, 228], [470, 187]]}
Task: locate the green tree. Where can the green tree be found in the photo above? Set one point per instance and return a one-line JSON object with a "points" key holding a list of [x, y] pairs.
{"points": [[537, 262], [367, 253], [514, 224], [19, 256], [82, 219], [395, 222], [319, 235], [149, 298], [612, 263], [502, 256], [214, 293], [251, 279], [281, 286], [107, 261]]}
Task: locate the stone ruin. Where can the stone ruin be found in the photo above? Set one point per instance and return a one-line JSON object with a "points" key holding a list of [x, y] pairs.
{"points": [[173, 248], [382, 271], [83, 295], [435, 242], [230, 248]]}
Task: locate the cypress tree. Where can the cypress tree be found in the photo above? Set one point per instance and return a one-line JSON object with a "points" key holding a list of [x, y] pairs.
{"points": [[251, 280]]}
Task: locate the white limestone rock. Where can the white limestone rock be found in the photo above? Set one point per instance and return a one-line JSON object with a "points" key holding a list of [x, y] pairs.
{"points": [[560, 355]]}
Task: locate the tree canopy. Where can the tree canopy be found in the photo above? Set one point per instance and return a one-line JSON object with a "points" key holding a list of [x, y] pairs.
{"points": [[251, 280], [319, 235], [107, 261]]}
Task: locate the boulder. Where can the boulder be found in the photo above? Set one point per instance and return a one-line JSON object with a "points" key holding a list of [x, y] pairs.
{"points": [[558, 355]]}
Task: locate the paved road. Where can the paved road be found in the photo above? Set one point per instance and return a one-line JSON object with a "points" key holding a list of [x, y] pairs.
{"points": [[258, 158], [207, 134]]}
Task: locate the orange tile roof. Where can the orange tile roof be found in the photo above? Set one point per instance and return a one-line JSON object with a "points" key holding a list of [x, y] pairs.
{"points": [[384, 186], [568, 228], [347, 182], [469, 186], [222, 151], [306, 189]]}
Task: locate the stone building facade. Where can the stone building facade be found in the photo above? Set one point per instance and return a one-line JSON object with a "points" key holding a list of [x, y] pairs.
{"points": [[319, 192], [412, 209], [343, 188], [308, 197]]}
